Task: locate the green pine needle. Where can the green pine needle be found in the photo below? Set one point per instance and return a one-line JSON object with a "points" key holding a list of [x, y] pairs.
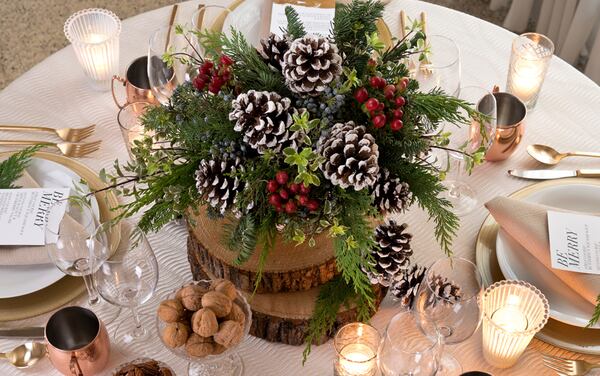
{"points": [[596, 315], [295, 28], [13, 167]]}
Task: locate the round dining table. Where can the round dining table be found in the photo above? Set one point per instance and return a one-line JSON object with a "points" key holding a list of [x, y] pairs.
{"points": [[56, 93]]}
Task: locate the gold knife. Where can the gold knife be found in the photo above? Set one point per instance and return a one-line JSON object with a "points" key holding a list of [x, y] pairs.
{"points": [[27, 332], [554, 174]]}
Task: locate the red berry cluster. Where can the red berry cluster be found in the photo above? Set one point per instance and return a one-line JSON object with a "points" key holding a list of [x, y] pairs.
{"points": [[214, 77], [288, 196], [388, 109]]}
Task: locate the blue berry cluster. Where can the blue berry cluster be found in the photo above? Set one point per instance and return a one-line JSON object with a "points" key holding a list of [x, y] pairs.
{"points": [[326, 106]]}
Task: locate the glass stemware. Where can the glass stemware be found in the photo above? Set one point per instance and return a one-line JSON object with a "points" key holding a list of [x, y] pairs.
{"points": [[164, 76], [129, 280], [442, 67], [78, 248], [405, 350], [470, 138], [447, 306]]}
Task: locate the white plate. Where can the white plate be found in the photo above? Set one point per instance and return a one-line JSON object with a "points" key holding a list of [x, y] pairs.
{"points": [[517, 263], [18, 280]]}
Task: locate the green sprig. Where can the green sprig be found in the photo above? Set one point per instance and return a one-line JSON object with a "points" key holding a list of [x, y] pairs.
{"points": [[13, 167]]}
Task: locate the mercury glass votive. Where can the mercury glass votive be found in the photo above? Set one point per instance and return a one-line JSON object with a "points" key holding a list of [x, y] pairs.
{"points": [[356, 348], [529, 61], [94, 34], [513, 312]]}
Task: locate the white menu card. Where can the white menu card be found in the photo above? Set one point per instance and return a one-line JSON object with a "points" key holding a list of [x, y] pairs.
{"points": [[315, 20]]}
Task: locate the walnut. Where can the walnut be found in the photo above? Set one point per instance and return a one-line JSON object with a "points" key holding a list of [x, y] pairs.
{"points": [[218, 302], [191, 297], [224, 286], [230, 333], [236, 314], [204, 322], [170, 310], [199, 346], [218, 349], [175, 334]]}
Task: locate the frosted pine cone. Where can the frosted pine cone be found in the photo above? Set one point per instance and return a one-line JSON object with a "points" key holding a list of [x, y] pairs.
{"points": [[350, 156], [264, 118], [392, 253], [215, 183], [311, 64], [405, 285], [390, 195], [444, 291], [273, 48]]}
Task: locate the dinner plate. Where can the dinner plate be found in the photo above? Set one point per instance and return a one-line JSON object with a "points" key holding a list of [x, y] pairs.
{"points": [[573, 338], [18, 280], [516, 262]]}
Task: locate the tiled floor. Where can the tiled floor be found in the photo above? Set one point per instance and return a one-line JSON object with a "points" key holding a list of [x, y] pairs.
{"points": [[33, 29]]}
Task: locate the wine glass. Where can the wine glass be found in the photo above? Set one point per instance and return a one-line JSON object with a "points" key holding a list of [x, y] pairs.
{"points": [[441, 69], [405, 350], [165, 76], [447, 306], [128, 280], [77, 247], [466, 140]]}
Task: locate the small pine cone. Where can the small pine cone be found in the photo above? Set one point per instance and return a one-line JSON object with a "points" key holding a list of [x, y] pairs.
{"points": [[444, 291], [350, 156], [311, 64], [216, 185], [405, 285], [273, 48], [264, 118], [392, 254], [390, 195]]}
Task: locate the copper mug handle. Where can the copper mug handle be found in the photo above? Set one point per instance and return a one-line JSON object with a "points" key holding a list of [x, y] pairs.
{"points": [[74, 366], [112, 88]]}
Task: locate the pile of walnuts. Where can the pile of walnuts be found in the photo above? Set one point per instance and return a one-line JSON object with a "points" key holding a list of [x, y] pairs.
{"points": [[204, 321]]}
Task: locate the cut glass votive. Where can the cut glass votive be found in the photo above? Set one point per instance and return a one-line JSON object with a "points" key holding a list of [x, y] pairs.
{"points": [[356, 347], [513, 312], [529, 61], [94, 34]]}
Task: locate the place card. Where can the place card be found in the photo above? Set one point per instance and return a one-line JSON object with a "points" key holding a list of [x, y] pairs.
{"points": [[316, 16], [574, 242], [23, 214]]}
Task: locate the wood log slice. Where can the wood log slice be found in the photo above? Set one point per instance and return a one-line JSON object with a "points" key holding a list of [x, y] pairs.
{"points": [[284, 317], [288, 267]]}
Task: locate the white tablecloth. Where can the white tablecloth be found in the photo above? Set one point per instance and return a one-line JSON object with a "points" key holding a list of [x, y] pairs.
{"points": [[56, 93]]}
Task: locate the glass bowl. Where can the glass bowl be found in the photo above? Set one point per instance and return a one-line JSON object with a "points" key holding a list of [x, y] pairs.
{"points": [[140, 361], [228, 363]]}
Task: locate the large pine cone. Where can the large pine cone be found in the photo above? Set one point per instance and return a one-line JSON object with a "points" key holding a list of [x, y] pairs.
{"points": [[311, 64], [405, 285], [444, 291], [273, 48], [216, 185], [390, 195], [350, 156], [392, 253], [264, 118]]}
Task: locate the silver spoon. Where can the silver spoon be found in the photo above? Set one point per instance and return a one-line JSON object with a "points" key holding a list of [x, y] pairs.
{"points": [[25, 355], [547, 155]]}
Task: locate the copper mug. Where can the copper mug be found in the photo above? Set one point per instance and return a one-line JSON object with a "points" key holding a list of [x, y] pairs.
{"points": [[510, 126], [136, 83], [78, 342]]}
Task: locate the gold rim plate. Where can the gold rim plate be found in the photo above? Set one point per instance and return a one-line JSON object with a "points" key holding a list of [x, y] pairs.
{"points": [[573, 338], [67, 288]]}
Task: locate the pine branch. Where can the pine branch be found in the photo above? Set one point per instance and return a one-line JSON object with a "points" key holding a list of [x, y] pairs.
{"points": [[295, 28], [13, 167], [596, 315], [241, 238]]}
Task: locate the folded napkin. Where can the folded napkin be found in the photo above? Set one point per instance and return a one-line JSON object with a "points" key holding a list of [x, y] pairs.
{"points": [[527, 223]]}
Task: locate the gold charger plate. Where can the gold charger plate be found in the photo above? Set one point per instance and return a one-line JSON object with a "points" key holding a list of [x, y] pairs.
{"points": [[573, 338], [67, 288]]}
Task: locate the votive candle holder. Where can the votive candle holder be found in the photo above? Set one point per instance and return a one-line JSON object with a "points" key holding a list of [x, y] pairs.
{"points": [[529, 61], [356, 347], [513, 312], [94, 34]]}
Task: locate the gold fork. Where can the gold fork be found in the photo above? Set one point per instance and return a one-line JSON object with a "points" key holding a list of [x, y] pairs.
{"points": [[68, 149], [66, 134], [568, 367]]}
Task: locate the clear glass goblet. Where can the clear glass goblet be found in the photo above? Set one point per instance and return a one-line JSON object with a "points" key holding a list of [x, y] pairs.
{"points": [[448, 307], [77, 247], [466, 140], [405, 350], [129, 280]]}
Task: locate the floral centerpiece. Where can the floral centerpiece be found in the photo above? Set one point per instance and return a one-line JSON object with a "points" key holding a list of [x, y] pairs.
{"points": [[304, 135]]}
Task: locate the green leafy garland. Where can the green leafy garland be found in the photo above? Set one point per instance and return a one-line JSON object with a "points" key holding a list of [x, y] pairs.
{"points": [[195, 127], [13, 167]]}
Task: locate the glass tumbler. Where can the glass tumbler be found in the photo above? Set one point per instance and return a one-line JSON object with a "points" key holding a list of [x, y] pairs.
{"points": [[356, 347], [129, 119], [442, 68], [94, 34]]}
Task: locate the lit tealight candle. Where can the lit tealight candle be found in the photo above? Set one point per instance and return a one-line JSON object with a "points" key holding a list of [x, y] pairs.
{"points": [[357, 359], [510, 318], [356, 345]]}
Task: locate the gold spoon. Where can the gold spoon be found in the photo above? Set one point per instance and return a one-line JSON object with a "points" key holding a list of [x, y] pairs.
{"points": [[547, 155], [25, 355]]}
